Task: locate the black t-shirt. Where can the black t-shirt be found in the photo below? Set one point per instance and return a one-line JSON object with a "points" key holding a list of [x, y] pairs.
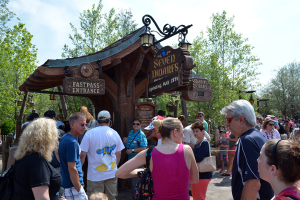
{"points": [[245, 165], [33, 171]]}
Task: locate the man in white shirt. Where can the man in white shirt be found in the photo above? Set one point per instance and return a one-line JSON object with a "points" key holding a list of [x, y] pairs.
{"points": [[103, 147]]}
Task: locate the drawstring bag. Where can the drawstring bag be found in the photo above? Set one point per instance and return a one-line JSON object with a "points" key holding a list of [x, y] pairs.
{"points": [[144, 188]]}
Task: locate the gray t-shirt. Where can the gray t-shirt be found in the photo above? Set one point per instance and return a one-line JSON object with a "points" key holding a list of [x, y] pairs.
{"points": [[223, 141]]}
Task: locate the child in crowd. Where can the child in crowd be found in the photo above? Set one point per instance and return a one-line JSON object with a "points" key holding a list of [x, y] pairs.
{"points": [[223, 151], [98, 196]]}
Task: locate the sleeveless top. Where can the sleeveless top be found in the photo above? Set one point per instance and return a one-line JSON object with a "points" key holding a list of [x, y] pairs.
{"points": [[170, 175]]}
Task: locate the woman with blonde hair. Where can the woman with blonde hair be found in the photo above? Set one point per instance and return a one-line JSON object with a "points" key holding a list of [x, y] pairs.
{"points": [[34, 177], [268, 130], [172, 164], [279, 164]]}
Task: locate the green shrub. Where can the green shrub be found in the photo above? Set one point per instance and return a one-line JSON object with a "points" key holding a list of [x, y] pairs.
{"points": [[8, 126]]}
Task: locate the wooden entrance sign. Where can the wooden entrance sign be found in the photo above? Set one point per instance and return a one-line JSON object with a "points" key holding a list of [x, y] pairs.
{"points": [[169, 69], [84, 80], [198, 90], [145, 111]]}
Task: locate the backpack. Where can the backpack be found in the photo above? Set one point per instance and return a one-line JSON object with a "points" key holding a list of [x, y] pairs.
{"points": [[144, 188], [7, 184], [281, 129]]}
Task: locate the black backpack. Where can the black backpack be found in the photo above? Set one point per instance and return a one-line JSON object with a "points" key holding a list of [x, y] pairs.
{"points": [[281, 129], [144, 188], [7, 184]]}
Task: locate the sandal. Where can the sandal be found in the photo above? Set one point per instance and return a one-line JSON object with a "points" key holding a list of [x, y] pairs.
{"points": [[224, 174]]}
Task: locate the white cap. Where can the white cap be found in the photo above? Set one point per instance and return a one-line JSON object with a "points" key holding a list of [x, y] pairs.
{"points": [[104, 114]]}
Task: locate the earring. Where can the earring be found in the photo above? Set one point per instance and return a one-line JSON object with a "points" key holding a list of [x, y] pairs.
{"points": [[271, 173]]}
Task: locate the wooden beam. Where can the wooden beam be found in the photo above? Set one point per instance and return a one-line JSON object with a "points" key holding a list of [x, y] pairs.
{"points": [[140, 89], [63, 103], [19, 122], [111, 87], [133, 72]]}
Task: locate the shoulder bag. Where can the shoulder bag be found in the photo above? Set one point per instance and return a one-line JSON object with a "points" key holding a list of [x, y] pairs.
{"points": [[208, 164]]}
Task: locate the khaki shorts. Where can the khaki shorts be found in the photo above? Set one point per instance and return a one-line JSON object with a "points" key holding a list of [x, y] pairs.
{"points": [[108, 187]]}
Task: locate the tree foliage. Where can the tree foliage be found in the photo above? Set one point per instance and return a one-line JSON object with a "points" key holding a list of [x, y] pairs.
{"points": [[283, 90], [225, 59], [98, 30], [5, 16], [17, 62]]}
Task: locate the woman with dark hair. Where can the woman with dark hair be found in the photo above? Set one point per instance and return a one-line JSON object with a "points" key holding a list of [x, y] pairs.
{"points": [[268, 130], [172, 164], [201, 150], [279, 164], [135, 142]]}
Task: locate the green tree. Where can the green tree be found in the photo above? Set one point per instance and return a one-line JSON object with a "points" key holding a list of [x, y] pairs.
{"points": [[17, 62], [283, 90], [98, 30], [5, 16], [225, 59]]}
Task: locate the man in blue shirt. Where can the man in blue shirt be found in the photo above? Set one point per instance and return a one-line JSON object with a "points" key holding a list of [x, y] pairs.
{"points": [[69, 156], [201, 117], [246, 182]]}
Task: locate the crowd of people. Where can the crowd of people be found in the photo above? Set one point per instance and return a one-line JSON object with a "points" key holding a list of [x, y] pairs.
{"points": [[263, 163]]}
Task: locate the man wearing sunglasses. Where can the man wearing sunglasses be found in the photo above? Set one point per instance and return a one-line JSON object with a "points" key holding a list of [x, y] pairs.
{"points": [[69, 156], [246, 183], [103, 147], [201, 117]]}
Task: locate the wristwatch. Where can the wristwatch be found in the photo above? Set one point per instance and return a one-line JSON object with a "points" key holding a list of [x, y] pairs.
{"points": [[132, 150]]}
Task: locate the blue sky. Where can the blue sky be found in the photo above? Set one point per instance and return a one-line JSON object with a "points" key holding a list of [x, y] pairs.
{"points": [[272, 26]]}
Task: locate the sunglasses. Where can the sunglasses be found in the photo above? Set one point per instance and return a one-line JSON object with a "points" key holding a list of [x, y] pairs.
{"points": [[136, 124], [271, 124], [229, 119], [82, 125]]}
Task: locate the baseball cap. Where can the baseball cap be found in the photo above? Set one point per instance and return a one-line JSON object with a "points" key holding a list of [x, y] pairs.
{"points": [[104, 114], [150, 126]]}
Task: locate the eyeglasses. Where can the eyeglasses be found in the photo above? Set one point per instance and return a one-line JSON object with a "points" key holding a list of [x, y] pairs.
{"points": [[229, 119], [136, 124], [200, 115], [271, 124]]}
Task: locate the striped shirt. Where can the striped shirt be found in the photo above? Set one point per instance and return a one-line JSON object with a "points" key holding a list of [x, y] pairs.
{"points": [[136, 140]]}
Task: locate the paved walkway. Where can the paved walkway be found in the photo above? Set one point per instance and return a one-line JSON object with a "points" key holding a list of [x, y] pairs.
{"points": [[218, 188]]}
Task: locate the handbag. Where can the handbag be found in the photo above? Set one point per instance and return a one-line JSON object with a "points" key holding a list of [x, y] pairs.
{"points": [[126, 156], [208, 164], [144, 188], [7, 184]]}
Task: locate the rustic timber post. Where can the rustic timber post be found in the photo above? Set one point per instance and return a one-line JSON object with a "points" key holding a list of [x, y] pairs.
{"points": [[63, 103], [19, 122], [184, 111]]}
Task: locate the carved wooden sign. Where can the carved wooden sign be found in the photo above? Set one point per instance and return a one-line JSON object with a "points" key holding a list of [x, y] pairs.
{"points": [[168, 69], [84, 80], [198, 90], [145, 111]]}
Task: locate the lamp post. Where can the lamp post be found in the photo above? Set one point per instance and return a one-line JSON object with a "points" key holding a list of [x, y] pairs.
{"points": [[266, 108], [293, 110], [148, 39]]}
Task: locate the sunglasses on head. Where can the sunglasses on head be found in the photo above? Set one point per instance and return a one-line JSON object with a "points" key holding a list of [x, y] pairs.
{"points": [[229, 119], [136, 124]]}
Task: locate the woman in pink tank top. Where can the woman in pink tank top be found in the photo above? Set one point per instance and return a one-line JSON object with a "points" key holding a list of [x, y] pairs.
{"points": [[172, 164]]}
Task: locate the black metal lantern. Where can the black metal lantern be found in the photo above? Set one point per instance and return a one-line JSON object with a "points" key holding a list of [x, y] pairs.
{"points": [[185, 44], [149, 100], [31, 104], [266, 106], [33, 110], [19, 102], [147, 38], [52, 96], [90, 109], [251, 100]]}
